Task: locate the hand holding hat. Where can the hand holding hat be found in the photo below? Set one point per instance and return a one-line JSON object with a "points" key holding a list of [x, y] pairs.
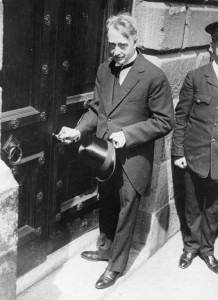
{"points": [[68, 135], [118, 139]]}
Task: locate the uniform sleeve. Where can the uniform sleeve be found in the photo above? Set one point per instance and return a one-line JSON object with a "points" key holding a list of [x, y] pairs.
{"points": [[182, 115]]}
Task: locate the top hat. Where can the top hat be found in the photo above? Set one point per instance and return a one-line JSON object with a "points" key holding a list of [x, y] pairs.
{"points": [[98, 154], [212, 29]]}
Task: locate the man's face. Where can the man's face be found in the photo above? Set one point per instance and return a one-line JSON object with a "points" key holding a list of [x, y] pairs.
{"points": [[121, 48]]}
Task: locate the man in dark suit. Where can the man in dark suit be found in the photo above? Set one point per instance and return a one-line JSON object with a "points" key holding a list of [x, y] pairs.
{"points": [[195, 149], [132, 106]]}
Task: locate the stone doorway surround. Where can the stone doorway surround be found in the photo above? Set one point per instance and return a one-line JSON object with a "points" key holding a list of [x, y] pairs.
{"points": [[8, 232]]}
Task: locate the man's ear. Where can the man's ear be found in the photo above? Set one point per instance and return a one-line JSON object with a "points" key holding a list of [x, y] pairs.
{"points": [[211, 47], [211, 51], [135, 40]]}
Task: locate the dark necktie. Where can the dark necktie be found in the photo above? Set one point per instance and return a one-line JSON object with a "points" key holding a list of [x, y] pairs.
{"points": [[117, 69]]}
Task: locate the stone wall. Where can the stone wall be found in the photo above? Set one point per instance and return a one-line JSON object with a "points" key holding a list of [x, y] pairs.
{"points": [[172, 37], [8, 215], [8, 233]]}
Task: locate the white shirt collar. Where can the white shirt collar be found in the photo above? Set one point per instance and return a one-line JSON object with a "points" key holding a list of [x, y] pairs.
{"points": [[215, 67], [133, 58]]}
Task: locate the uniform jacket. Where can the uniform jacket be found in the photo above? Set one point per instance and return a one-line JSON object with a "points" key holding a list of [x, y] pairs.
{"points": [[143, 111], [196, 131]]}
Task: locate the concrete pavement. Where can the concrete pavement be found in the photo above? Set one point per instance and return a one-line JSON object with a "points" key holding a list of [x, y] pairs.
{"points": [[158, 278]]}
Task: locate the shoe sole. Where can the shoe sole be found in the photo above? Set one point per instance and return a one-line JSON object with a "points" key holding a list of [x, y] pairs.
{"points": [[94, 260], [188, 263], [185, 266], [216, 272], [104, 287]]}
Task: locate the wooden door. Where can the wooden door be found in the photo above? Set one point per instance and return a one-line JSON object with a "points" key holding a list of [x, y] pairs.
{"points": [[73, 200], [51, 51], [27, 82]]}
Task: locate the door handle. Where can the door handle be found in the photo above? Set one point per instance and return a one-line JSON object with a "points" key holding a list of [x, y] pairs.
{"points": [[15, 155], [13, 150]]}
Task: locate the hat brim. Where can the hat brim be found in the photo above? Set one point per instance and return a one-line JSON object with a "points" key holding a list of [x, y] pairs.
{"points": [[107, 169], [212, 29], [98, 154]]}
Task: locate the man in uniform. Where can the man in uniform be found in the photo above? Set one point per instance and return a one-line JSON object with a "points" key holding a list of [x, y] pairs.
{"points": [[132, 106], [195, 149]]}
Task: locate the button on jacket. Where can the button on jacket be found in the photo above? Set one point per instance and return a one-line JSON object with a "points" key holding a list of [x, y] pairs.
{"points": [[196, 130], [143, 111]]}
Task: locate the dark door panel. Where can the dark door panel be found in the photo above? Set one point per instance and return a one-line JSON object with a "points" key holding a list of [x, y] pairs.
{"points": [[25, 125], [17, 63], [51, 52], [73, 188]]}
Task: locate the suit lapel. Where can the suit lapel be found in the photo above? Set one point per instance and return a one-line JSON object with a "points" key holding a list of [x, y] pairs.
{"points": [[129, 82], [109, 88], [211, 75]]}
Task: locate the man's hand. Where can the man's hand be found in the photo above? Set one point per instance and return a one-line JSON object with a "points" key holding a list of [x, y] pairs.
{"points": [[180, 162], [68, 135], [118, 139]]}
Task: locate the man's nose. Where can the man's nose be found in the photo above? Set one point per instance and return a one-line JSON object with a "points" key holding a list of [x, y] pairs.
{"points": [[117, 51]]}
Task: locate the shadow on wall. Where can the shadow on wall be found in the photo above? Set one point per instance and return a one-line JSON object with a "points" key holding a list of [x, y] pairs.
{"points": [[156, 212]]}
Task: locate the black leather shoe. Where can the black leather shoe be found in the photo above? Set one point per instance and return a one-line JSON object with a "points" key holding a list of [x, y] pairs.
{"points": [[211, 262], [108, 278], [92, 256], [186, 259]]}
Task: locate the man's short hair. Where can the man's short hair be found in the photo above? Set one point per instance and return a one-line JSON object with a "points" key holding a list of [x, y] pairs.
{"points": [[124, 23]]}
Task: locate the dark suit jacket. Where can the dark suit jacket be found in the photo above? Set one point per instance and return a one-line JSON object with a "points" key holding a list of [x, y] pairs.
{"points": [[144, 112], [196, 131]]}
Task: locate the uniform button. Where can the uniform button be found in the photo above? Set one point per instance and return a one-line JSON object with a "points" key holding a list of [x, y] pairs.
{"points": [[217, 107], [215, 124], [213, 140], [198, 100], [109, 120]]}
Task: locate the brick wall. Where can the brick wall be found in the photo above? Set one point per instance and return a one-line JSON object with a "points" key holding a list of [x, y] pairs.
{"points": [[173, 37]]}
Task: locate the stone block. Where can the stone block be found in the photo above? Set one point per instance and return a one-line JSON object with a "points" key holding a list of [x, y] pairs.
{"points": [[8, 232], [160, 25], [175, 102], [162, 149], [203, 57], [8, 267], [163, 225], [8, 208], [197, 18], [175, 66], [161, 191]]}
